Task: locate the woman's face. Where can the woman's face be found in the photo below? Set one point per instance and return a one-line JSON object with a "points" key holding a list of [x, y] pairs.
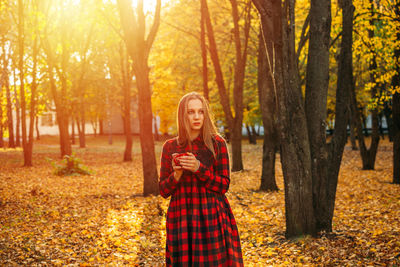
{"points": [[195, 113]]}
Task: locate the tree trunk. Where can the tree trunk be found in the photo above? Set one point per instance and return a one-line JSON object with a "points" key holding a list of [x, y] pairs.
{"points": [[32, 113], [317, 81], [368, 155], [150, 174], [352, 127], [251, 135], [156, 134], [234, 122], [101, 127], [11, 138], [126, 88], [82, 121], [21, 47], [396, 107], [139, 48], [17, 114], [295, 152], [267, 99], [324, 214], [204, 51], [37, 128], [1, 116], [73, 130], [389, 120]]}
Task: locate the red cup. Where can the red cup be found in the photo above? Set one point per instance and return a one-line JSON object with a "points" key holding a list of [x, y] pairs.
{"points": [[176, 159]]}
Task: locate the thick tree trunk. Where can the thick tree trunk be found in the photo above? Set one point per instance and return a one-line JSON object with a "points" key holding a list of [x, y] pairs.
{"points": [[317, 81], [295, 150], [150, 185], [267, 99], [396, 107]]}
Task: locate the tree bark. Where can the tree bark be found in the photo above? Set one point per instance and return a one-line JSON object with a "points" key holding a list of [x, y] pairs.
{"points": [[37, 128], [17, 114], [11, 138], [396, 106], [324, 214], [203, 45], [235, 123], [126, 88], [267, 99], [368, 155], [139, 48], [295, 150], [317, 81], [32, 112]]}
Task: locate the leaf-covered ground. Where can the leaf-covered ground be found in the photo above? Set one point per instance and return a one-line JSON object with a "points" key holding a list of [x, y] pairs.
{"points": [[103, 219]]}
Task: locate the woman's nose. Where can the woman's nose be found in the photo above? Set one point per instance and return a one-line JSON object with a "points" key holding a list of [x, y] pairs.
{"points": [[196, 115]]}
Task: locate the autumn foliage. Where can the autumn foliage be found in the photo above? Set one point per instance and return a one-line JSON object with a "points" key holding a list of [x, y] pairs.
{"points": [[104, 219]]}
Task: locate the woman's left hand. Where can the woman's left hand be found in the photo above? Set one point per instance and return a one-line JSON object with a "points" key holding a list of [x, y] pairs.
{"points": [[189, 162]]}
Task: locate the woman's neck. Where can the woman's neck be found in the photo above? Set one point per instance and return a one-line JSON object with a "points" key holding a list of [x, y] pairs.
{"points": [[193, 135]]}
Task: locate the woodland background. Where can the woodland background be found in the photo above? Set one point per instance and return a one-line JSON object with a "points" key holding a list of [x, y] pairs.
{"points": [[311, 73]]}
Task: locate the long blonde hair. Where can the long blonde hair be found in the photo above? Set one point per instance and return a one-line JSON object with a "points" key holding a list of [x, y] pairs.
{"points": [[208, 131]]}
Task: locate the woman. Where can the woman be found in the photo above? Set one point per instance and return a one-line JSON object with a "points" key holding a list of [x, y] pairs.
{"points": [[201, 229]]}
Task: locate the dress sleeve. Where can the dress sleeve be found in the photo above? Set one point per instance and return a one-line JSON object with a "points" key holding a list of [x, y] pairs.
{"points": [[167, 183], [217, 180]]}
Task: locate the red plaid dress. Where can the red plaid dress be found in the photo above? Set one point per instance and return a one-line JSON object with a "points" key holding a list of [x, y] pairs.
{"points": [[201, 229]]}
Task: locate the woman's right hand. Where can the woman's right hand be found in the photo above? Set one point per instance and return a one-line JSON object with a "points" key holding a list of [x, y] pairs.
{"points": [[178, 170]]}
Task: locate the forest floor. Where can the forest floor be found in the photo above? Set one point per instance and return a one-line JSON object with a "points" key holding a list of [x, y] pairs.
{"points": [[102, 219]]}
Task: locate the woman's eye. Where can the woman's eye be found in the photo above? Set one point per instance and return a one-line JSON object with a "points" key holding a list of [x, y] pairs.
{"points": [[201, 112], [190, 112]]}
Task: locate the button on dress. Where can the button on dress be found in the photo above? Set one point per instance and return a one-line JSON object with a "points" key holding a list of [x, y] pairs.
{"points": [[201, 229]]}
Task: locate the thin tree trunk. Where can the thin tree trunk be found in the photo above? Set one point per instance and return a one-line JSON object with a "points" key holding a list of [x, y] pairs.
{"points": [[73, 130], [1, 114], [389, 120], [204, 51], [267, 99], [17, 114], [139, 48], [126, 88], [32, 113], [368, 155], [37, 128], [82, 121], [21, 47], [396, 106], [101, 127], [11, 138], [156, 134], [345, 82]]}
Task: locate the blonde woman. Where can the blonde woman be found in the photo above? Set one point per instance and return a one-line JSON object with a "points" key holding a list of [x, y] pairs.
{"points": [[201, 229]]}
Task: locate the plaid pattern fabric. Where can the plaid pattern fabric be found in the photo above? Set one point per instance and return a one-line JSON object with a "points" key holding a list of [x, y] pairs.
{"points": [[201, 229]]}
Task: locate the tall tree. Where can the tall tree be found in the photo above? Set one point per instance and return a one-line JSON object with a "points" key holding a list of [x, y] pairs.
{"points": [[203, 46], [368, 155], [6, 81], [21, 48], [234, 122], [266, 92], [138, 46], [295, 151], [126, 89], [32, 112]]}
